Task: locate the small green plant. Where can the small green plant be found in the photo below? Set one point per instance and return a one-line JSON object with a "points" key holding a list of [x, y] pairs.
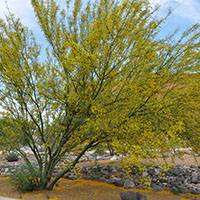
{"points": [[12, 157], [24, 178]]}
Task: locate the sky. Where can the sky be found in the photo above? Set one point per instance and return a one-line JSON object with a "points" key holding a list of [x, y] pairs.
{"points": [[185, 14]]}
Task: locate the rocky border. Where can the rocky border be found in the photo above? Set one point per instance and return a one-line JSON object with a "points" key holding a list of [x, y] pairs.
{"points": [[178, 179]]}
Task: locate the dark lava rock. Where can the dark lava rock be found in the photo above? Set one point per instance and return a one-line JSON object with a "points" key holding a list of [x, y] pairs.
{"points": [[195, 191], [119, 182], [111, 181], [70, 176], [139, 186], [183, 190], [156, 188], [102, 179], [175, 190], [132, 195]]}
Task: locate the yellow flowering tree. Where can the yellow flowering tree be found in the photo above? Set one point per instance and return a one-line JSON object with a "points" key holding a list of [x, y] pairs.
{"points": [[107, 77]]}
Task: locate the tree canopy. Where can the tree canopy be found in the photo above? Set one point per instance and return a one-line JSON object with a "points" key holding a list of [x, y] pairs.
{"points": [[107, 77]]}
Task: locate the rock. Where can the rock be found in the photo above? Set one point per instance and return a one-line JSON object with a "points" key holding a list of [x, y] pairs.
{"points": [[175, 190], [195, 191], [132, 195], [120, 175], [3, 175], [119, 182], [198, 185], [107, 176], [154, 180], [151, 171], [72, 177], [193, 166], [157, 188], [194, 179], [87, 177], [111, 181], [139, 186], [2, 170], [184, 190], [114, 158], [129, 184], [113, 171], [177, 172], [145, 174], [95, 177], [103, 171], [102, 179]]}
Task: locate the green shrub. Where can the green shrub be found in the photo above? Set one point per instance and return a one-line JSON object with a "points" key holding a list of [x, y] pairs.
{"points": [[11, 157], [24, 178]]}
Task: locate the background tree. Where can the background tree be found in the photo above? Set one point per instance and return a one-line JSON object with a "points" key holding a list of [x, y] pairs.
{"points": [[106, 76]]}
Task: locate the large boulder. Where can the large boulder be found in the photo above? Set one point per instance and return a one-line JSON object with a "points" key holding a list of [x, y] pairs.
{"points": [[132, 195]]}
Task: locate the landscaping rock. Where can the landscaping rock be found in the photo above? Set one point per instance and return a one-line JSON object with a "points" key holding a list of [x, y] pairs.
{"points": [[157, 188], [184, 190], [132, 195], [194, 178], [119, 182], [175, 190], [145, 174], [195, 191], [3, 175], [72, 177], [111, 181], [193, 166], [178, 179], [102, 179], [129, 184]]}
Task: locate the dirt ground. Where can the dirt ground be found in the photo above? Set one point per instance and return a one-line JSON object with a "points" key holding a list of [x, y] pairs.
{"points": [[92, 190], [84, 190]]}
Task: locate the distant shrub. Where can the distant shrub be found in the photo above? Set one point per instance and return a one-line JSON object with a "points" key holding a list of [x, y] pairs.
{"points": [[11, 157]]}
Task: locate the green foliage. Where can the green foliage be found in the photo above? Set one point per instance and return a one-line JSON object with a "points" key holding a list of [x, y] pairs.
{"points": [[24, 178], [99, 151], [106, 78], [12, 156], [11, 131]]}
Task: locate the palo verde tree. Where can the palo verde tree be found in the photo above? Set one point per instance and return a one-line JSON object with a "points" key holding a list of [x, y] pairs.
{"points": [[107, 76]]}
